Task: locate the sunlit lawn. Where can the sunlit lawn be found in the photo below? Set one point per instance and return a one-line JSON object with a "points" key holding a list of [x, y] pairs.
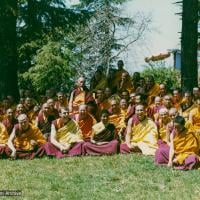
{"points": [[115, 177]]}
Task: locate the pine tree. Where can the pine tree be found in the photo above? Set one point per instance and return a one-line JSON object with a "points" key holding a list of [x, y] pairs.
{"points": [[8, 50], [189, 41]]}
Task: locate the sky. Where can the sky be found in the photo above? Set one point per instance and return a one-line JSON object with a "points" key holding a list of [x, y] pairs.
{"points": [[164, 34]]}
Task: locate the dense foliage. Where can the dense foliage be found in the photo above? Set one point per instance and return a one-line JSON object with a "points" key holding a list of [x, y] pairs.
{"points": [[163, 74]]}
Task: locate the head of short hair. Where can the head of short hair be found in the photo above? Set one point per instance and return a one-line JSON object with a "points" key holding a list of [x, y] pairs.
{"points": [[179, 120]]}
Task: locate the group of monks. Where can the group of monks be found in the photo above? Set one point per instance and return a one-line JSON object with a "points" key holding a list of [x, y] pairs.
{"points": [[118, 114]]}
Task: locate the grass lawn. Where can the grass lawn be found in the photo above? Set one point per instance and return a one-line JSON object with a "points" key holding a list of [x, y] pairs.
{"points": [[115, 177]]}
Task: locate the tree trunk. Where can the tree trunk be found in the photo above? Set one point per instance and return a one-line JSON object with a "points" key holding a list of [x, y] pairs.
{"points": [[8, 50], [189, 38]]}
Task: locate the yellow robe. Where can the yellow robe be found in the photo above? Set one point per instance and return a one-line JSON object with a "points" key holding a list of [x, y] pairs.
{"points": [[153, 92], [124, 112], [86, 126], [163, 133], [69, 133], [22, 141], [196, 118], [185, 113], [78, 100], [3, 134], [118, 120], [145, 136], [185, 144]]}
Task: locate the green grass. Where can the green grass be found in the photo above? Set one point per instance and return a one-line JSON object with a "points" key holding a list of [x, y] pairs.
{"points": [[115, 177]]}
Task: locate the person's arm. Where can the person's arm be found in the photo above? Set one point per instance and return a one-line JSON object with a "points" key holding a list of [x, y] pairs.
{"points": [[10, 143], [168, 134], [36, 121], [92, 137], [191, 117], [128, 134], [171, 150], [71, 101]]}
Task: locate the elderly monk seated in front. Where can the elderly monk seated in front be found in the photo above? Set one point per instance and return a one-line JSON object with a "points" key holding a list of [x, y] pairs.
{"points": [[142, 134], [103, 139], [65, 138], [183, 152], [26, 140]]}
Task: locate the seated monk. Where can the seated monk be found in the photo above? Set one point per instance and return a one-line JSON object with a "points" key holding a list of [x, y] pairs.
{"points": [[153, 109], [103, 139], [139, 99], [184, 148], [167, 102], [194, 116], [20, 109], [66, 138], [162, 124], [52, 111], [117, 118], [124, 107], [177, 98], [4, 107], [85, 122], [109, 95], [131, 106], [80, 95], [26, 140], [142, 134], [141, 88], [9, 120], [124, 94], [29, 109], [195, 93], [162, 90], [101, 101], [44, 120], [187, 105], [4, 150], [61, 101]]}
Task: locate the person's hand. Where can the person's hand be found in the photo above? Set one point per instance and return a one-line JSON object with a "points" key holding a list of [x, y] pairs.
{"points": [[130, 146], [170, 164], [64, 149], [33, 142], [13, 154]]}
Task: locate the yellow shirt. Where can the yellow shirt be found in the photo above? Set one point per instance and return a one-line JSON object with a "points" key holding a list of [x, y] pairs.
{"points": [[145, 136], [69, 133]]}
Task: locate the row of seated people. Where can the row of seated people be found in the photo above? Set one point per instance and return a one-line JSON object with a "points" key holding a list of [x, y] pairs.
{"points": [[120, 114], [171, 140]]}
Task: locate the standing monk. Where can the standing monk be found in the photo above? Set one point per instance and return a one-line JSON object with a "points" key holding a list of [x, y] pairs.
{"points": [[80, 95], [152, 89]]}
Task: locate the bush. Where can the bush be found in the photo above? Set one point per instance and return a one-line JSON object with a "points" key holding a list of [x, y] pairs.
{"points": [[167, 75]]}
